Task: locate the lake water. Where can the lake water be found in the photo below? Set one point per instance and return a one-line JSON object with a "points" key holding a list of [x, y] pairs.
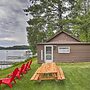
{"points": [[14, 55]]}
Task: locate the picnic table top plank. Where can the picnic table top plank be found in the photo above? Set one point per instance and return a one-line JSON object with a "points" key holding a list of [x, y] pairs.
{"points": [[48, 68], [60, 73], [35, 74]]}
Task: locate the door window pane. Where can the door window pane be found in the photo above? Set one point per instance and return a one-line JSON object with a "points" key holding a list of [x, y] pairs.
{"points": [[48, 50], [48, 57]]}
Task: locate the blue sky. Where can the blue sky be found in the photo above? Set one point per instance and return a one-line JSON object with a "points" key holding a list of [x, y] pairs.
{"points": [[13, 22]]}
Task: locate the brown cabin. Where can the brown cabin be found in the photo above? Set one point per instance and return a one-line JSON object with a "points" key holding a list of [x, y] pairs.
{"points": [[63, 48]]}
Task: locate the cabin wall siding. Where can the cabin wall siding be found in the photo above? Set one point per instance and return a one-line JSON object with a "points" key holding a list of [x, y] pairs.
{"points": [[39, 48], [78, 53]]}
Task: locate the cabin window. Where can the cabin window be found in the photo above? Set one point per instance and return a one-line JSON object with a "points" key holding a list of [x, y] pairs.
{"points": [[63, 49]]}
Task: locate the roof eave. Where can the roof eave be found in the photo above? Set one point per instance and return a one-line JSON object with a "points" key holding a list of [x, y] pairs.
{"points": [[67, 43]]}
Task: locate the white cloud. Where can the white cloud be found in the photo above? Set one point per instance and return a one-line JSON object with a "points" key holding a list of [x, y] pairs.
{"points": [[2, 13], [7, 39], [13, 22]]}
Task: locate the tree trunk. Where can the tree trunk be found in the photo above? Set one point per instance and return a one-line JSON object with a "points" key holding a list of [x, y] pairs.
{"points": [[60, 14]]}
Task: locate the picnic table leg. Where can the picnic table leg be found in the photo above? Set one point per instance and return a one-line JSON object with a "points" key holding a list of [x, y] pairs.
{"points": [[40, 77]]}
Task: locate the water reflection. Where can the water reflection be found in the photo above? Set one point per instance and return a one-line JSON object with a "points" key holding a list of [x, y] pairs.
{"points": [[13, 56], [4, 66]]}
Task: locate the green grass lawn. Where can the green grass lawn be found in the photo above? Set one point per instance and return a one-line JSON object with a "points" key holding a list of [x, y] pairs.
{"points": [[77, 78]]}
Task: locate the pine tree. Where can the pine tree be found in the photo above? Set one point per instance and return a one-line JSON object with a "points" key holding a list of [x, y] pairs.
{"points": [[47, 16]]}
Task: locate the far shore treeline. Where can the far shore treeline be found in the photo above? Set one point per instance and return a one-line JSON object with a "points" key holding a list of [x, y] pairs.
{"points": [[22, 47]]}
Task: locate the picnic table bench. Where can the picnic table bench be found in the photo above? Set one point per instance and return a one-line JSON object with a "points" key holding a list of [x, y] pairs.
{"points": [[48, 71]]}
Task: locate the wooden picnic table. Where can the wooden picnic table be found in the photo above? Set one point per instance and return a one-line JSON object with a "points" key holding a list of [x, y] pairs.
{"points": [[48, 71]]}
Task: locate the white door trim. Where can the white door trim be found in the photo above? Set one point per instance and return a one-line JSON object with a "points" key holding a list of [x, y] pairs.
{"points": [[46, 54]]}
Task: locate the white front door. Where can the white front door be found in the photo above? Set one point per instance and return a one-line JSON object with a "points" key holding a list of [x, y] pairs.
{"points": [[48, 53]]}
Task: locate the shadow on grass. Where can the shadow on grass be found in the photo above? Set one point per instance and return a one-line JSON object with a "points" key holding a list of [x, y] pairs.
{"points": [[53, 82]]}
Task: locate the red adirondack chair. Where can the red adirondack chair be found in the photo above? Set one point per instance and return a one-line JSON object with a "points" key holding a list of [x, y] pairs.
{"points": [[19, 72], [28, 67], [8, 81], [24, 71]]}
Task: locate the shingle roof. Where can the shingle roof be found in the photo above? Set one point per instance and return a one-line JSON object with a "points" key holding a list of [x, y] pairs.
{"points": [[60, 33]]}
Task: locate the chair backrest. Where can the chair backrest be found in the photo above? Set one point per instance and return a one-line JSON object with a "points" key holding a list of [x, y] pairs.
{"points": [[14, 74], [26, 65], [30, 62], [0, 81], [22, 67]]}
